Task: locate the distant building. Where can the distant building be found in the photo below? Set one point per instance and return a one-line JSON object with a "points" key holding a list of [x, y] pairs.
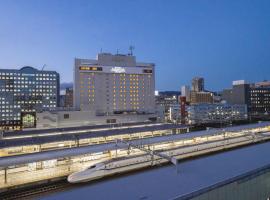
{"points": [[174, 114], [239, 94], [114, 84], [72, 118], [198, 84], [24, 92], [167, 99], [66, 98], [263, 84], [259, 106], [256, 96], [215, 113], [183, 110], [185, 92], [62, 100], [68, 102], [201, 97]]}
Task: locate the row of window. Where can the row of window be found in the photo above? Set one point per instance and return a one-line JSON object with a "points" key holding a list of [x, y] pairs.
{"points": [[20, 74], [26, 79]]}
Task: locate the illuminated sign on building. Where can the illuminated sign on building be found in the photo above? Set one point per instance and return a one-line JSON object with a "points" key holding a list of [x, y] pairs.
{"points": [[118, 70], [86, 68]]}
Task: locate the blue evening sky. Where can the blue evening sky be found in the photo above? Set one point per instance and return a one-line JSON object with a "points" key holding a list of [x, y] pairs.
{"points": [[219, 40]]}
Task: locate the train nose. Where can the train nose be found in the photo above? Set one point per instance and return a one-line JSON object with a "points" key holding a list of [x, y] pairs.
{"points": [[70, 178]]}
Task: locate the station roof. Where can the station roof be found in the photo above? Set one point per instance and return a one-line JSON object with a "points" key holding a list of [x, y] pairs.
{"points": [[37, 140], [66, 129], [76, 151], [195, 177]]}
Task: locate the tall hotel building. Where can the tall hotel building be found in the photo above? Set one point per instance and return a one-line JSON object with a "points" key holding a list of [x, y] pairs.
{"points": [[114, 84], [23, 93]]}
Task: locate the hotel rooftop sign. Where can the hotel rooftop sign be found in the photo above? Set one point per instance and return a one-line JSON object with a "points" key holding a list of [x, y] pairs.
{"points": [[118, 70]]}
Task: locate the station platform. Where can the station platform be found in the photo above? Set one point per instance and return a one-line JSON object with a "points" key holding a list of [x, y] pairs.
{"points": [[30, 168], [33, 142], [238, 174]]}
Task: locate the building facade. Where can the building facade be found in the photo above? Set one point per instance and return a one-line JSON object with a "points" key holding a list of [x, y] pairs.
{"points": [[239, 94], [73, 118], [256, 96], [259, 106], [174, 113], [23, 93], [114, 84], [215, 113], [185, 92], [166, 99], [198, 84], [68, 100], [201, 97]]}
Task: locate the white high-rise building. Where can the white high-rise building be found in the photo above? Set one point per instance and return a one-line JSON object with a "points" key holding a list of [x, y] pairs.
{"points": [[114, 84], [185, 92]]}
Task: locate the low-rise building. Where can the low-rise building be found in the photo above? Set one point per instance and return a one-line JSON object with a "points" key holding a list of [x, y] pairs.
{"points": [[73, 118], [174, 114], [166, 99], [215, 113]]}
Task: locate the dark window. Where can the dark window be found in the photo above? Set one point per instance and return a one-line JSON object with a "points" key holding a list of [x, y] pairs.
{"points": [[110, 121], [148, 71], [66, 116]]}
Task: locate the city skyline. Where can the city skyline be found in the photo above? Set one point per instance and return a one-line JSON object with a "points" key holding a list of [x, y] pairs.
{"points": [[134, 99], [203, 39]]}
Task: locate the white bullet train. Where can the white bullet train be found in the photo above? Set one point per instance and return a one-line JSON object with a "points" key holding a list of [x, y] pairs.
{"points": [[115, 166]]}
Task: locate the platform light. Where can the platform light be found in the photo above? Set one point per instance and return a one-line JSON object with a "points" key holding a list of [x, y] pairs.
{"points": [[32, 166], [49, 163]]}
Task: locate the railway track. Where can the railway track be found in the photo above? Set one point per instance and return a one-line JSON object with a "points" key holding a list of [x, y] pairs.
{"points": [[32, 192]]}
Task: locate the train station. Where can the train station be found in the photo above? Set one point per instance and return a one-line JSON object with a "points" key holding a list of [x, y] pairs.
{"points": [[41, 158]]}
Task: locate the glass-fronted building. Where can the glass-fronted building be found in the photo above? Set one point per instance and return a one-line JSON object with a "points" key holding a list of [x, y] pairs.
{"points": [[216, 113], [23, 93]]}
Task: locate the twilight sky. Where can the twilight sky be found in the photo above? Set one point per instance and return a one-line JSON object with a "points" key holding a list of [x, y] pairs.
{"points": [[219, 40]]}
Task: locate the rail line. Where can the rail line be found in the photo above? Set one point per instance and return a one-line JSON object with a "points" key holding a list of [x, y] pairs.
{"points": [[35, 191], [29, 193]]}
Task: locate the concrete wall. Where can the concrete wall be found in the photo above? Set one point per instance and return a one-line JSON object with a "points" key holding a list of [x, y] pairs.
{"points": [[82, 118]]}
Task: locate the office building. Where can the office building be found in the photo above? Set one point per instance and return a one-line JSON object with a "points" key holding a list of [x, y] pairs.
{"points": [[23, 93], [256, 96], [185, 92], [166, 99], [259, 106], [239, 94], [201, 97], [68, 99], [215, 113], [114, 84], [198, 84]]}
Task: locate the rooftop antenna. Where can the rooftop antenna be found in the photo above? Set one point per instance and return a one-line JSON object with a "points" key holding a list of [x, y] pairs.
{"points": [[43, 67], [131, 48], [101, 50]]}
